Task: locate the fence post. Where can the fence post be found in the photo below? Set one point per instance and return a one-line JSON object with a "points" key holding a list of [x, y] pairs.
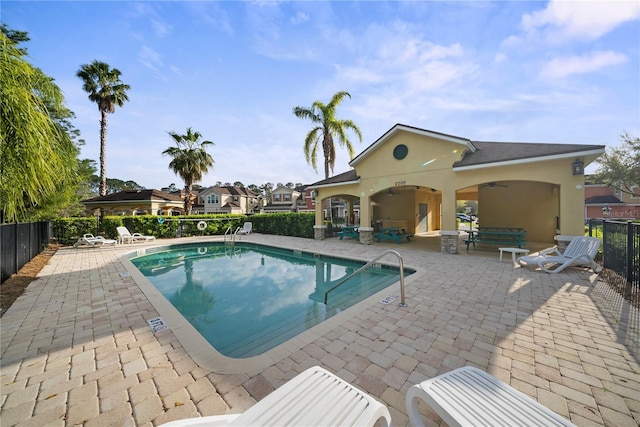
{"points": [[630, 252]]}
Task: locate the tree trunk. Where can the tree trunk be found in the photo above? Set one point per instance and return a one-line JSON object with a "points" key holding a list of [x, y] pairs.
{"points": [[103, 154], [187, 199]]}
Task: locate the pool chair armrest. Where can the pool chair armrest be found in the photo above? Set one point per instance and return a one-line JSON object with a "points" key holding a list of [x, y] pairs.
{"points": [[211, 421], [316, 397]]}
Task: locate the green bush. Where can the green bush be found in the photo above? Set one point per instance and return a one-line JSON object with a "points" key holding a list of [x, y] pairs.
{"points": [[68, 230], [284, 224]]}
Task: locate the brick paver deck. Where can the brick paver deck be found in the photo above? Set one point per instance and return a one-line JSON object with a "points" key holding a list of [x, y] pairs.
{"points": [[77, 349]]}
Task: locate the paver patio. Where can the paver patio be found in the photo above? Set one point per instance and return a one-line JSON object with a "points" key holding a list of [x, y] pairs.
{"points": [[77, 349]]}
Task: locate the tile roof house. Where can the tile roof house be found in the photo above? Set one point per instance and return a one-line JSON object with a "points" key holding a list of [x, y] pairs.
{"points": [[601, 201], [229, 200], [135, 202], [283, 199], [535, 186]]}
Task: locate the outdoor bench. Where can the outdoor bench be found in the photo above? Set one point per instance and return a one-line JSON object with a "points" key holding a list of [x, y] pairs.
{"points": [[504, 236], [395, 234], [349, 231]]}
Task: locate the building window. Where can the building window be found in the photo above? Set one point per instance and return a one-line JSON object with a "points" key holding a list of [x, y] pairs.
{"points": [[287, 197], [276, 197], [635, 190]]}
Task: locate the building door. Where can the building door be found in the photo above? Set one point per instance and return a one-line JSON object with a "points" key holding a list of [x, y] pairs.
{"points": [[423, 226]]}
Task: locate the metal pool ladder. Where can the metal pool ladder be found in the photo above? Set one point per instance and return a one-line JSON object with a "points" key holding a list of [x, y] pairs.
{"points": [[231, 235], [400, 264]]}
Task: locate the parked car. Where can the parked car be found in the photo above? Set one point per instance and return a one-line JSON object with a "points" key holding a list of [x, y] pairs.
{"points": [[464, 217]]}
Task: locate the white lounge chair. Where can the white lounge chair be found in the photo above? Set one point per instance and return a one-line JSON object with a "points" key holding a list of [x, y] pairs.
{"points": [[246, 228], [580, 252], [89, 240], [315, 397], [469, 396], [124, 236]]}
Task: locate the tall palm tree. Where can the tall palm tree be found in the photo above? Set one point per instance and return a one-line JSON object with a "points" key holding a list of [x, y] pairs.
{"points": [[105, 88], [190, 161], [327, 126]]}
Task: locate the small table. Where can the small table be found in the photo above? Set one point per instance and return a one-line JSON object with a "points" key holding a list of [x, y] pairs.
{"points": [[513, 251]]}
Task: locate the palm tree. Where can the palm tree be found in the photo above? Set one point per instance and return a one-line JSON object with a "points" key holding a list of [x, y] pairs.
{"points": [[105, 88], [327, 126], [190, 161]]}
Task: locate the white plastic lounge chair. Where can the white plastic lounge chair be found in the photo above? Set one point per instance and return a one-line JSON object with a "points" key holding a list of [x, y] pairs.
{"points": [[579, 252], [89, 240], [469, 396], [315, 397], [124, 236], [246, 228]]}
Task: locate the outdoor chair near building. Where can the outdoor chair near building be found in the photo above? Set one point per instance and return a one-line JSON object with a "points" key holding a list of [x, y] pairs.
{"points": [[89, 240], [247, 228], [316, 397], [469, 396], [580, 252], [124, 236]]}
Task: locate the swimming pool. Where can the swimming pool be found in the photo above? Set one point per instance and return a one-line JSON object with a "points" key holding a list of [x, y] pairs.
{"points": [[247, 298]]}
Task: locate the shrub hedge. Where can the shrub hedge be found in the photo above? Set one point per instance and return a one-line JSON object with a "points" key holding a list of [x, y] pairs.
{"points": [[68, 230]]}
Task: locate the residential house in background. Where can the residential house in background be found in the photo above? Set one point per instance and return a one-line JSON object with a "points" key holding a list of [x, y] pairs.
{"points": [[135, 202], [306, 202], [602, 201], [283, 199], [229, 200]]}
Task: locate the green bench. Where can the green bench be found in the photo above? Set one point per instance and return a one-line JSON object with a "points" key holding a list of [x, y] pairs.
{"points": [[349, 231], [395, 234], [504, 236]]}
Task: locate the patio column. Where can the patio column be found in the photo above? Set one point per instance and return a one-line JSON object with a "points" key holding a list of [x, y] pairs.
{"points": [[449, 232], [319, 228], [365, 229]]}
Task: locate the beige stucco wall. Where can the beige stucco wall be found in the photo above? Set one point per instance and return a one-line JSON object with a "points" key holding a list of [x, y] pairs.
{"points": [[536, 192]]}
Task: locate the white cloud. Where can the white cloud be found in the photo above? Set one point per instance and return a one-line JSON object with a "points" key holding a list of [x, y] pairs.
{"points": [[160, 28], [299, 18], [566, 20], [150, 58], [566, 66]]}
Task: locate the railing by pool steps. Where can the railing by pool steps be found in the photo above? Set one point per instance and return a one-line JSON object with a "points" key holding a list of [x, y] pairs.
{"points": [[231, 234], [400, 265]]}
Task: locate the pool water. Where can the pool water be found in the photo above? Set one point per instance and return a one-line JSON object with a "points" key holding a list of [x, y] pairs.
{"points": [[245, 299]]}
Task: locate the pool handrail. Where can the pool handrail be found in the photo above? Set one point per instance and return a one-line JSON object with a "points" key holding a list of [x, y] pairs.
{"points": [[232, 235], [400, 264]]}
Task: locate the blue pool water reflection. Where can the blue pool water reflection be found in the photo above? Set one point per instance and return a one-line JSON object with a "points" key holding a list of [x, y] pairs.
{"points": [[246, 299]]}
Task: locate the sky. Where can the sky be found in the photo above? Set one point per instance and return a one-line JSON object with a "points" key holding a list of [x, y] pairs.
{"points": [[513, 71]]}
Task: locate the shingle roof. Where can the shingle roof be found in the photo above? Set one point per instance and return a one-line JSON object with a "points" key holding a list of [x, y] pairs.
{"points": [[348, 176], [135, 195], [234, 191], [596, 200], [496, 152]]}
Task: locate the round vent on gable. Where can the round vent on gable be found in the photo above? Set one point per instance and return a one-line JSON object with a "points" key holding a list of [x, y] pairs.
{"points": [[400, 152]]}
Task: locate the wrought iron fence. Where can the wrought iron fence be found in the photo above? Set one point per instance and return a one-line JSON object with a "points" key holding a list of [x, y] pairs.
{"points": [[620, 255], [20, 243]]}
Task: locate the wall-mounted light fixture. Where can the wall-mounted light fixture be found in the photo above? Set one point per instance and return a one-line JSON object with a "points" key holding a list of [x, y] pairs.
{"points": [[578, 167], [606, 211]]}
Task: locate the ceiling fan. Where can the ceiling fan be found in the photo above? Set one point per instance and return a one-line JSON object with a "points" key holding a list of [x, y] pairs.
{"points": [[493, 185], [391, 193]]}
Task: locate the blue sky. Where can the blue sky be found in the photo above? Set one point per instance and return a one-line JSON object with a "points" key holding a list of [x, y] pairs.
{"points": [[513, 71]]}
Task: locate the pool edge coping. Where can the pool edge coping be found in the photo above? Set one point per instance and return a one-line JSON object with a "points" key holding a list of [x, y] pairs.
{"points": [[206, 356]]}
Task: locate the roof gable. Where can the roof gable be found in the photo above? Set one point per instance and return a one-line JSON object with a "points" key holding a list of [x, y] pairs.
{"points": [[464, 142]]}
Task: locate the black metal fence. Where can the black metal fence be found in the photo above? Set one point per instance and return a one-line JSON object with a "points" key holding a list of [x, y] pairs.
{"points": [[620, 255], [20, 243]]}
